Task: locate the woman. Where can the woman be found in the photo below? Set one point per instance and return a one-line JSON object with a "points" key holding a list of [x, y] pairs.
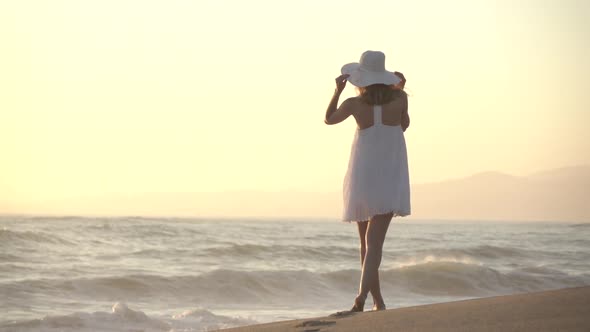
{"points": [[376, 185]]}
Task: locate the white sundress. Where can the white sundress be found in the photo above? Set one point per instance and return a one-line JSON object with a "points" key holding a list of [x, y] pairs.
{"points": [[377, 179]]}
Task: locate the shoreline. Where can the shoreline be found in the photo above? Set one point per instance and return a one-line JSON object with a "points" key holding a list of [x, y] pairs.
{"points": [[561, 309]]}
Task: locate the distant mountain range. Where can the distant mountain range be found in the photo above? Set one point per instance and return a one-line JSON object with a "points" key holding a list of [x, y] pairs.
{"points": [[554, 195]]}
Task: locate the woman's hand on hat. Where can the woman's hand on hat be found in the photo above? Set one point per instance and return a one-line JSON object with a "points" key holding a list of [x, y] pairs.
{"points": [[341, 82], [401, 77]]}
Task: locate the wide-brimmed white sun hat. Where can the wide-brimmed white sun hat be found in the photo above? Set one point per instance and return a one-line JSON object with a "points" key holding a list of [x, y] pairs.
{"points": [[369, 70]]}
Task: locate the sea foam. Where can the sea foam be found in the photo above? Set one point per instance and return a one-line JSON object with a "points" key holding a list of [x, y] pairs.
{"points": [[122, 318]]}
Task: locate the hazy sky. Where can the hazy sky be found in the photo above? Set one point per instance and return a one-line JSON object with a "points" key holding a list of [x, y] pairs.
{"points": [[106, 97]]}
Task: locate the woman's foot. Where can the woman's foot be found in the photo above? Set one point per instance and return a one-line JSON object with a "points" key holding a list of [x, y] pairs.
{"points": [[359, 305], [379, 306]]}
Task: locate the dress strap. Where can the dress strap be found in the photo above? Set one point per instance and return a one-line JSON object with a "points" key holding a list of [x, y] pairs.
{"points": [[376, 114]]}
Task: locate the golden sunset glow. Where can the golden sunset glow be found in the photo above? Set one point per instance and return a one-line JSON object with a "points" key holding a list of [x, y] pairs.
{"points": [[101, 98]]}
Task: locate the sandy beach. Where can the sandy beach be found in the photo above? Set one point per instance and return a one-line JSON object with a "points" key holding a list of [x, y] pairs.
{"points": [[556, 310]]}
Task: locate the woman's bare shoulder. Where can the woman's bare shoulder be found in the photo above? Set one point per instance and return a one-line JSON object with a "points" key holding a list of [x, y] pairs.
{"points": [[401, 99], [352, 102]]}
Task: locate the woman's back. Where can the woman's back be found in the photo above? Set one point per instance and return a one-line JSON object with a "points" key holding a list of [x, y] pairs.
{"points": [[392, 114]]}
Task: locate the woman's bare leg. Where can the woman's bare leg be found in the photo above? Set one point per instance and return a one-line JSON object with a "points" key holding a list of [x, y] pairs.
{"points": [[378, 303], [375, 236]]}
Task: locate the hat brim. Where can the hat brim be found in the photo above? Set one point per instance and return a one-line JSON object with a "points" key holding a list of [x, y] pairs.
{"points": [[362, 78]]}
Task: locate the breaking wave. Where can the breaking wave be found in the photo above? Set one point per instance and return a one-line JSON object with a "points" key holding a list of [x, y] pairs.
{"points": [[445, 278], [122, 318]]}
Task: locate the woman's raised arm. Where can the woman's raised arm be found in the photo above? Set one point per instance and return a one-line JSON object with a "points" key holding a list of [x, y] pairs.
{"points": [[335, 114]]}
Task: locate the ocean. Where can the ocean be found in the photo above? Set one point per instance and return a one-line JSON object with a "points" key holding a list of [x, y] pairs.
{"points": [[202, 274]]}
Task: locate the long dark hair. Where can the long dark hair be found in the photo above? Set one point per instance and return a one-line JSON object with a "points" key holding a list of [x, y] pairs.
{"points": [[379, 94]]}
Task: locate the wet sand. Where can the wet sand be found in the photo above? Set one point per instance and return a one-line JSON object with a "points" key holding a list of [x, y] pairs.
{"points": [[556, 310]]}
